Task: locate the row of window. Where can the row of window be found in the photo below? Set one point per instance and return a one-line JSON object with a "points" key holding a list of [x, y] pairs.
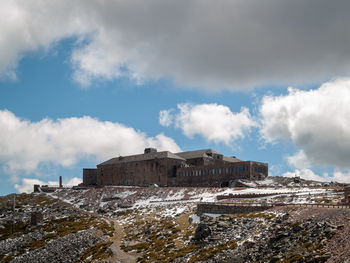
{"points": [[260, 169], [217, 171]]}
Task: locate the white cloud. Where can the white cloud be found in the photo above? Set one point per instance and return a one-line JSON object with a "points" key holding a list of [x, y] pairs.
{"points": [[215, 45], [73, 181], [299, 160], [25, 145], [27, 184], [166, 118], [317, 121], [306, 174], [342, 176], [213, 122]]}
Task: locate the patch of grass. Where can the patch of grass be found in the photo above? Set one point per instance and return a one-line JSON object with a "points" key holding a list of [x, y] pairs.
{"points": [[68, 225], [210, 252], [7, 258], [99, 251], [160, 240], [183, 221], [19, 229], [123, 213]]}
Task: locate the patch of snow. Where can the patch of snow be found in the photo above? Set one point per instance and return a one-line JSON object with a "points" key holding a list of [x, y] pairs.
{"points": [[212, 215], [195, 219], [124, 194]]}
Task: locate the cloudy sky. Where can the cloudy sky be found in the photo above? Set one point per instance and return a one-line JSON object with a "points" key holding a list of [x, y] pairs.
{"points": [[84, 81]]}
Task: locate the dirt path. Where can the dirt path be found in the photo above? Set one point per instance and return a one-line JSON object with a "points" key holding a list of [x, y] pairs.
{"points": [[119, 255]]}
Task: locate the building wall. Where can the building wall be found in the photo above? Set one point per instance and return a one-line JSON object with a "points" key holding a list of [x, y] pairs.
{"points": [[220, 174], [89, 176], [141, 173]]}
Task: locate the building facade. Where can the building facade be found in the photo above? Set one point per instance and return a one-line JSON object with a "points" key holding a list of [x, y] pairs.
{"points": [[194, 168]]}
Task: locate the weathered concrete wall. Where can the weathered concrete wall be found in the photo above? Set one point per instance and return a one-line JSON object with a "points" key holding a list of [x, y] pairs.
{"points": [[227, 209], [139, 173], [220, 174], [89, 176]]}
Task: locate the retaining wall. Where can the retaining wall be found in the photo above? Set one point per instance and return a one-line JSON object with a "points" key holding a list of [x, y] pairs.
{"points": [[228, 209]]}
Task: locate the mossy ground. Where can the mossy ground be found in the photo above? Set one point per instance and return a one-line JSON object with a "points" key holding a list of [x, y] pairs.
{"points": [[53, 228], [167, 239]]}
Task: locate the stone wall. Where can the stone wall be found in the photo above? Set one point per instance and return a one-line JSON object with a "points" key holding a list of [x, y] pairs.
{"points": [[228, 209], [89, 176], [220, 174], [139, 173]]}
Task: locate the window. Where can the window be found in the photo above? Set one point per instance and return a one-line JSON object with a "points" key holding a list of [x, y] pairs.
{"points": [[247, 168], [226, 170]]}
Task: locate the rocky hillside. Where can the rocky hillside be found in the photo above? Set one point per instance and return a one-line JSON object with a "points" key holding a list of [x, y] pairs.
{"points": [[131, 224], [65, 234]]}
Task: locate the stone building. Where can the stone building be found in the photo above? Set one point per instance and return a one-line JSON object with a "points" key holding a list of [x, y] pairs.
{"points": [[194, 168]]}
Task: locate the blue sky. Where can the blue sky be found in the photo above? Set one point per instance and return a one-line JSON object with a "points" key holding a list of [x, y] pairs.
{"points": [[74, 94]]}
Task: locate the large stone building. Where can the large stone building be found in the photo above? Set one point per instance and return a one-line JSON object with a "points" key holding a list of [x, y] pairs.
{"points": [[193, 168]]}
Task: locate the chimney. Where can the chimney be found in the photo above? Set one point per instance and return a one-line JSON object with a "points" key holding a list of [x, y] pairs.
{"points": [[60, 181], [150, 150]]}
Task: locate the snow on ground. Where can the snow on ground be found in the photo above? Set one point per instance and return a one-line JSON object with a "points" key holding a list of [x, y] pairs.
{"points": [[175, 200], [124, 194], [195, 219]]}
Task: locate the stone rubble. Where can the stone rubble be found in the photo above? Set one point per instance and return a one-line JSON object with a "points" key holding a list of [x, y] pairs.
{"points": [[64, 249]]}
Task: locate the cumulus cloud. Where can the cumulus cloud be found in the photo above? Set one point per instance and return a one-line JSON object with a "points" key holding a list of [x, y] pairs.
{"points": [[307, 174], [165, 118], [73, 181], [342, 176], [299, 160], [27, 184], [317, 121], [215, 45], [216, 123], [26, 145]]}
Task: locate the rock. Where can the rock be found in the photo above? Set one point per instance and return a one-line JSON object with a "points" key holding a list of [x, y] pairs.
{"points": [[125, 205], [101, 210], [330, 230], [322, 258], [202, 231], [275, 259], [223, 224], [214, 238]]}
